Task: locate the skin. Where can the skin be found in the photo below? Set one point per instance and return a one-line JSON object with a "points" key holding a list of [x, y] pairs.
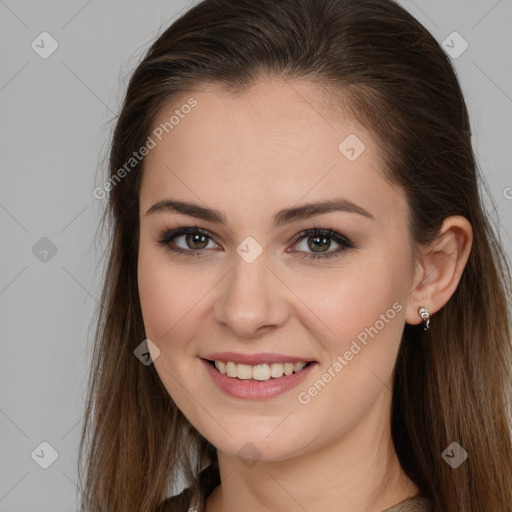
{"points": [[251, 155]]}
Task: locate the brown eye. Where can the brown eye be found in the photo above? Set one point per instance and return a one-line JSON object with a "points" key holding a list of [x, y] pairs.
{"points": [[187, 240], [317, 242], [196, 241]]}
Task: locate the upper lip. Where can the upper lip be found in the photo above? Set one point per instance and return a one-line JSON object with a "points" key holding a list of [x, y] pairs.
{"points": [[254, 359]]}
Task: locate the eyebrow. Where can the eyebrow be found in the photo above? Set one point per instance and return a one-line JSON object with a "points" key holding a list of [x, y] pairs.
{"points": [[281, 218]]}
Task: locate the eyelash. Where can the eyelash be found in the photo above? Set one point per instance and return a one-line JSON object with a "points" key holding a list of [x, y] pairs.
{"points": [[167, 236]]}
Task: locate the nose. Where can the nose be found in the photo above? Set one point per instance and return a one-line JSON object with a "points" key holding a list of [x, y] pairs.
{"points": [[252, 301]]}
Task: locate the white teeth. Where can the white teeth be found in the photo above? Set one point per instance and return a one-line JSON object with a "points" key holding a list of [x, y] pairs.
{"points": [[258, 372], [244, 371], [276, 370], [231, 370], [297, 367], [288, 368]]}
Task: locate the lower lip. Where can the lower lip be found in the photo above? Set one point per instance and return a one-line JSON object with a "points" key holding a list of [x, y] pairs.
{"points": [[256, 390]]}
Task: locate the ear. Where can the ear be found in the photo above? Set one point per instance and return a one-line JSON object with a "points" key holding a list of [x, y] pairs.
{"points": [[439, 267]]}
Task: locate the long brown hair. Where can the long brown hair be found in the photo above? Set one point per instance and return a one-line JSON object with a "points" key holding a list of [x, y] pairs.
{"points": [[452, 383]]}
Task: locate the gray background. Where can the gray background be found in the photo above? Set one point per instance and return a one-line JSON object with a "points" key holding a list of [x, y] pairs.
{"points": [[56, 120]]}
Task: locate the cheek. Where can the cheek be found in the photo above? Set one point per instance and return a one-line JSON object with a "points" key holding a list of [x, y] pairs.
{"points": [[363, 306], [364, 311], [170, 303], [355, 297], [166, 295]]}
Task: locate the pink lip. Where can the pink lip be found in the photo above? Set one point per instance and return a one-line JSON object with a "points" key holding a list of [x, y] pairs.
{"points": [[252, 389], [254, 359]]}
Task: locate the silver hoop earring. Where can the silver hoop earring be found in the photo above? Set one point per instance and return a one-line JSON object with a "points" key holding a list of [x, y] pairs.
{"points": [[425, 316]]}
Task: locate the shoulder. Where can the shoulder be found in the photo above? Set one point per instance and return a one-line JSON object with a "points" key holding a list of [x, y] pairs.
{"points": [[415, 504], [180, 503], [185, 501]]}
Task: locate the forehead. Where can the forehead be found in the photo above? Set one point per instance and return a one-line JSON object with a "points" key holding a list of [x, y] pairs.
{"points": [[276, 143]]}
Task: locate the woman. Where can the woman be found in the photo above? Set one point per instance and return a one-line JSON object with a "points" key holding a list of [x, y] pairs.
{"points": [[305, 306]]}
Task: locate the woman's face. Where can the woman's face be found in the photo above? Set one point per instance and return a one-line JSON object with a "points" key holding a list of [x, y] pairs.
{"points": [[251, 284]]}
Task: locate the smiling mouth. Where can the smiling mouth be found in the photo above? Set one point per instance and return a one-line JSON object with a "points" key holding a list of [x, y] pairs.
{"points": [[259, 372]]}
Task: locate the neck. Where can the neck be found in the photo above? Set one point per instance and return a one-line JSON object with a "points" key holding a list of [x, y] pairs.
{"points": [[358, 471]]}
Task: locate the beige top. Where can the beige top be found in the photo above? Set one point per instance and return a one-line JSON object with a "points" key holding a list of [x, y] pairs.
{"points": [[415, 504], [184, 501]]}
